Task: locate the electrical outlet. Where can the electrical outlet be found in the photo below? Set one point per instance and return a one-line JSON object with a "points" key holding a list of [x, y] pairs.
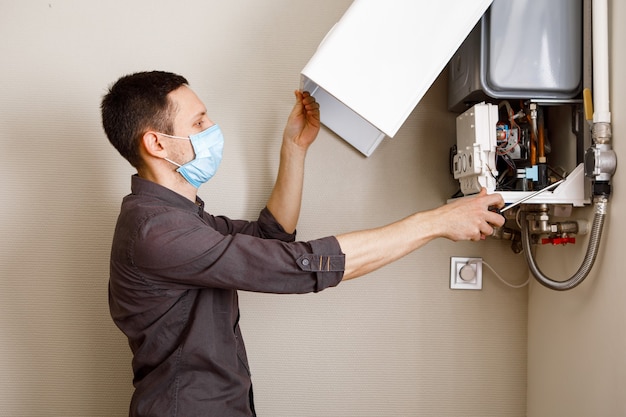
{"points": [[466, 275]]}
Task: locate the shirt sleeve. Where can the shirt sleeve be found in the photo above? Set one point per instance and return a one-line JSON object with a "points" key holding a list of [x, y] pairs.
{"points": [[266, 227], [185, 251]]}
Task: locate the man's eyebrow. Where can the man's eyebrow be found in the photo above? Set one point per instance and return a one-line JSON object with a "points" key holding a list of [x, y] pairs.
{"points": [[199, 114]]}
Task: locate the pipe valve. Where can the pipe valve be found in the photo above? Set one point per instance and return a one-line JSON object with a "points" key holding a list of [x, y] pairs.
{"points": [[600, 159]]}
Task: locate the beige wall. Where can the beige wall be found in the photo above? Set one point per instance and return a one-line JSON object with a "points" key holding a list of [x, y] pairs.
{"points": [[577, 339], [396, 343]]}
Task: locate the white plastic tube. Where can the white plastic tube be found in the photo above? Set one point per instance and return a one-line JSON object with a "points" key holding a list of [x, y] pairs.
{"points": [[600, 30]]}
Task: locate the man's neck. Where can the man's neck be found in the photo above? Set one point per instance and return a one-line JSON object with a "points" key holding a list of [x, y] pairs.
{"points": [[173, 181]]}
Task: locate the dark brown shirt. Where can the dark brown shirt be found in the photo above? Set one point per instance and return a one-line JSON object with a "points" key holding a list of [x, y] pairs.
{"points": [[175, 272]]}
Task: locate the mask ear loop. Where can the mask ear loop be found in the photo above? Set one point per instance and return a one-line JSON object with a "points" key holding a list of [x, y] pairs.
{"points": [[173, 137], [172, 162]]}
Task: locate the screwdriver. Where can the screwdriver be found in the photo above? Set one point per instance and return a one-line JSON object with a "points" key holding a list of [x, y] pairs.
{"points": [[528, 197]]}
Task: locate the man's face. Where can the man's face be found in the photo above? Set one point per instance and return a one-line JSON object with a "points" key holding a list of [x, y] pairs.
{"points": [[189, 118]]}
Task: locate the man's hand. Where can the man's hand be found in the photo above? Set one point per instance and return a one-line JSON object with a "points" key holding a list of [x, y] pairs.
{"points": [[470, 218], [303, 123]]}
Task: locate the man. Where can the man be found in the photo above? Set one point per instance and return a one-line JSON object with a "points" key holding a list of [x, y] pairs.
{"points": [[175, 269]]}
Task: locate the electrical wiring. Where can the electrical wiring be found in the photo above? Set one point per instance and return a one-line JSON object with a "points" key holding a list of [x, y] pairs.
{"points": [[509, 145], [505, 282]]}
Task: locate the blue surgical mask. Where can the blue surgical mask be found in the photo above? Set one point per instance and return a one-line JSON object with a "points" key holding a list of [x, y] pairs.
{"points": [[208, 146]]}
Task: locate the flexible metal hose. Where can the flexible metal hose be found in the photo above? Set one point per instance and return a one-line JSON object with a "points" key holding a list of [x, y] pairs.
{"points": [[601, 204]]}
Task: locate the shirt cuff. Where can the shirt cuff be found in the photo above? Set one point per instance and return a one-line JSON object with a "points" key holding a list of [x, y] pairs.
{"points": [[326, 260]]}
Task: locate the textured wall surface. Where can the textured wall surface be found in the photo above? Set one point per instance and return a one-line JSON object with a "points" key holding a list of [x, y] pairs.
{"points": [[396, 343]]}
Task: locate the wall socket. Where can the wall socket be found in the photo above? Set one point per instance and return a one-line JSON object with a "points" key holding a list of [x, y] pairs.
{"points": [[466, 275]]}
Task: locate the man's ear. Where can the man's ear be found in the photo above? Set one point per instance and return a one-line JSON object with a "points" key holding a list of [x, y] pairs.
{"points": [[151, 144]]}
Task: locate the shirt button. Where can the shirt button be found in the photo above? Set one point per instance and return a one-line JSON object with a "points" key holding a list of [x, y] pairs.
{"points": [[305, 262]]}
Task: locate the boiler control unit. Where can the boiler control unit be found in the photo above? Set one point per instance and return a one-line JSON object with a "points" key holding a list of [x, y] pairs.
{"points": [[521, 82]]}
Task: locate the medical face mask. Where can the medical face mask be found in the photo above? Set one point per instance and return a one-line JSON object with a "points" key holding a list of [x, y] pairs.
{"points": [[208, 146]]}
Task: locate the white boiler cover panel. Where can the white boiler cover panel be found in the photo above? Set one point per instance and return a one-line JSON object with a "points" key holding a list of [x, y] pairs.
{"points": [[383, 55]]}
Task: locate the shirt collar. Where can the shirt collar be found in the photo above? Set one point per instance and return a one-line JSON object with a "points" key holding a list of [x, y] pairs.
{"points": [[142, 186]]}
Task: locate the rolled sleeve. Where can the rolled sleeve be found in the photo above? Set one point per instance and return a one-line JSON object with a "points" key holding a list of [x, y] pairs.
{"points": [[326, 260]]}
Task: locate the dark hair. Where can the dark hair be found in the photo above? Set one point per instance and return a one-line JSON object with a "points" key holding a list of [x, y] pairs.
{"points": [[136, 103]]}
